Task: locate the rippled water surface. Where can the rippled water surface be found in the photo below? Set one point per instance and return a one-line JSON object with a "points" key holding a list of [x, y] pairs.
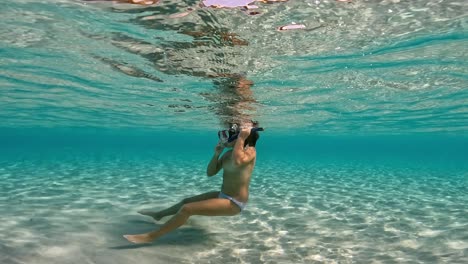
{"points": [[358, 67]]}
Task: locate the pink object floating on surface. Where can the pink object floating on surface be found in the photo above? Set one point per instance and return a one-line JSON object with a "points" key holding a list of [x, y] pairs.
{"points": [[291, 27], [251, 7], [227, 3]]}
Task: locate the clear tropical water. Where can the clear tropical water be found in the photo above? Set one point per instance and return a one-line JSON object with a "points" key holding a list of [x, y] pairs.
{"points": [[107, 108]]}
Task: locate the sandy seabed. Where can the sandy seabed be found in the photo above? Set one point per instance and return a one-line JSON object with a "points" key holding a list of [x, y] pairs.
{"points": [[75, 209]]}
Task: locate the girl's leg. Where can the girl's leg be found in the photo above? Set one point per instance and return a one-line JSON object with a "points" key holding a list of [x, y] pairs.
{"points": [[175, 208], [211, 207]]}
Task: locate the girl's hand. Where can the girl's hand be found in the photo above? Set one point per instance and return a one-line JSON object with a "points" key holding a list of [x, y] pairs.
{"points": [[245, 132], [219, 148]]}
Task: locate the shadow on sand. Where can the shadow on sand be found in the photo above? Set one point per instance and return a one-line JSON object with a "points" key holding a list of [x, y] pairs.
{"points": [[184, 236]]}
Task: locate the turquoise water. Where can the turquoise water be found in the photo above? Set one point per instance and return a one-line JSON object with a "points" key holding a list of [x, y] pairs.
{"points": [[106, 109]]}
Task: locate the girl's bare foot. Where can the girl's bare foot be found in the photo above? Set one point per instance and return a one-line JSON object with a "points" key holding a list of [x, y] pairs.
{"points": [[138, 239]]}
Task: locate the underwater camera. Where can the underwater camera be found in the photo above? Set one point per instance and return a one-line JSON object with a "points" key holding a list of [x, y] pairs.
{"points": [[231, 134]]}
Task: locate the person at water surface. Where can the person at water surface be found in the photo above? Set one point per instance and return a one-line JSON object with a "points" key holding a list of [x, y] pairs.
{"points": [[237, 165]]}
